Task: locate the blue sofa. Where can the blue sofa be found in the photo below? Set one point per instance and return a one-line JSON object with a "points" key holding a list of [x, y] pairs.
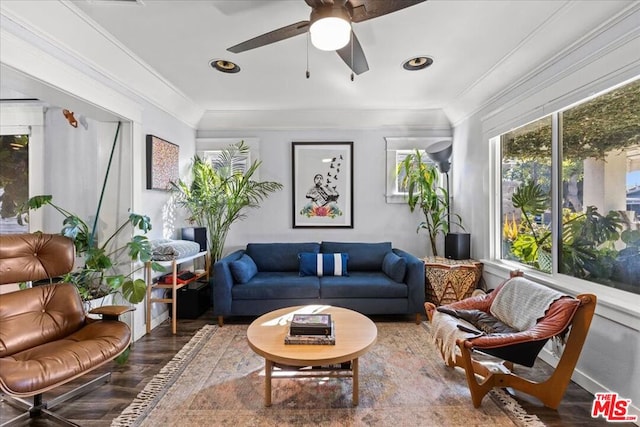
{"points": [[374, 278]]}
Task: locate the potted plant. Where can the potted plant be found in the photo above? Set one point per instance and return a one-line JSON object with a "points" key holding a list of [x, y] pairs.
{"points": [[101, 273], [425, 193], [219, 193], [107, 266]]}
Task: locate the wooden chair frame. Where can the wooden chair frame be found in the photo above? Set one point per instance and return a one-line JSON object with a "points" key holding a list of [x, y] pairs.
{"points": [[549, 391]]}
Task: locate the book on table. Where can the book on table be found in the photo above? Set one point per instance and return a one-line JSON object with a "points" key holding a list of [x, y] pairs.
{"points": [[312, 339], [310, 324]]}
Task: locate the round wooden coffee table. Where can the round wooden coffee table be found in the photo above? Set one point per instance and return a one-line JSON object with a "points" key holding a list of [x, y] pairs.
{"points": [[355, 335]]}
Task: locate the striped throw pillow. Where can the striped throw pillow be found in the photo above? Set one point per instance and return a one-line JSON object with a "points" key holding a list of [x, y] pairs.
{"points": [[312, 264]]}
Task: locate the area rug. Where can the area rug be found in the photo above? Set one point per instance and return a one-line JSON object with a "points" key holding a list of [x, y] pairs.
{"points": [[217, 380]]}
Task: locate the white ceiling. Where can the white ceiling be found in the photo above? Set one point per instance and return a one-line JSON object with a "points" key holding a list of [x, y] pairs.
{"points": [[480, 48]]}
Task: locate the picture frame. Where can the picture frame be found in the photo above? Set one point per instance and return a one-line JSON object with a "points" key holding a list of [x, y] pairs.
{"points": [[163, 159], [322, 184]]}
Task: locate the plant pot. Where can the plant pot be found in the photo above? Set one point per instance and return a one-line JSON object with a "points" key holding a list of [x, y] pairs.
{"points": [[457, 246]]}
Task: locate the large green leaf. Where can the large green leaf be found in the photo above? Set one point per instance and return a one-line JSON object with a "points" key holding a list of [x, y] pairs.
{"points": [[530, 198], [134, 290]]}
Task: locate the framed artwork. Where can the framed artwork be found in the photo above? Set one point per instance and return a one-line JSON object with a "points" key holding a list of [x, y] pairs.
{"points": [[162, 163], [322, 177]]}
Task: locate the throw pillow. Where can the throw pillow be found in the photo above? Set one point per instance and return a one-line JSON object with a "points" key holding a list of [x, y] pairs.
{"points": [[243, 269], [394, 266], [312, 264]]}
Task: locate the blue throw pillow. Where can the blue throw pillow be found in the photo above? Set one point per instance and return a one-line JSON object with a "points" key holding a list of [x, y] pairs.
{"points": [[394, 266], [243, 269], [323, 264]]}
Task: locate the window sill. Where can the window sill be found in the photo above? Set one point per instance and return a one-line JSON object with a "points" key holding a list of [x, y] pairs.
{"points": [[613, 304]]}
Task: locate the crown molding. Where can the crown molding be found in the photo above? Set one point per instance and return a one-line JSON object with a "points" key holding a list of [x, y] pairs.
{"points": [[99, 55]]}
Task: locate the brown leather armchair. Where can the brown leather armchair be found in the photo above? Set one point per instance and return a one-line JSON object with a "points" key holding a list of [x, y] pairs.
{"points": [[565, 317], [46, 339]]}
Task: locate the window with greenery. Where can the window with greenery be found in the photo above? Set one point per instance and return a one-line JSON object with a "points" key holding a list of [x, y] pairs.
{"points": [[597, 157], [14, 182], [526, 194]]}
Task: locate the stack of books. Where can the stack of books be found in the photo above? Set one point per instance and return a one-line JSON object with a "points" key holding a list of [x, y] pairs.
{"points": [[311, 329]]}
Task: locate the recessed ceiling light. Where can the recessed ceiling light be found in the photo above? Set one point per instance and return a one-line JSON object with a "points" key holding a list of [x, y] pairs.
{"points": [[224, 66], [417, 63]]}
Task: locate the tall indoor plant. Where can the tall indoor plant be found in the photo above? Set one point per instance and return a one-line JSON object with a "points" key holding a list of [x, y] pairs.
{"points": [[220, 191], [101, 273], [107, 263], [425, 193]]}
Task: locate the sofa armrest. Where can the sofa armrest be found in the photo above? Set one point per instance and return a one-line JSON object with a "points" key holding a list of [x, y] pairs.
{"points": [[222, 282], [414, 278]]}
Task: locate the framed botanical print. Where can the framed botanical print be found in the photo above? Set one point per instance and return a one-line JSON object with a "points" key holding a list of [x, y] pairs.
{"points": [[322, 174]]}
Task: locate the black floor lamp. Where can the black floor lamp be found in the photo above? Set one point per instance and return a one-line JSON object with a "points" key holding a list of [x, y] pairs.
{"points": [[456, 245]]}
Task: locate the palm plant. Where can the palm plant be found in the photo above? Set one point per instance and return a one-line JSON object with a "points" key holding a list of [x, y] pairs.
{"points": [[219, 193], [424, 192]]}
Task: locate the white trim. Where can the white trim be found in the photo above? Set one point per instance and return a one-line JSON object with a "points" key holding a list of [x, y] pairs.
{"points": [[613, 304], [31, 61], [617, 34], [100, 54]]}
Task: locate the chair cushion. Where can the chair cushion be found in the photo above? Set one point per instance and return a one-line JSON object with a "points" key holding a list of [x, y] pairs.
{"points": [[482, 321], [243, 269], [35, 316], [323, 264], [56, 362], [520, 303], [394, 266]]}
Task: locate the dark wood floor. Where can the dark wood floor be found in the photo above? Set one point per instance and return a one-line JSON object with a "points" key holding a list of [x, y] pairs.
{"points": [[154, 350]]}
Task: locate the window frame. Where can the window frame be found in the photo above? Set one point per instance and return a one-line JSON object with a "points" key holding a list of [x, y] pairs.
{"points": [[614, 304], [394, 145]]}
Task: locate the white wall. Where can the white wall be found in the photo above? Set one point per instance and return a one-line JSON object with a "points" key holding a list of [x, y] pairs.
{"points": [[374, 219], [608, 57]]}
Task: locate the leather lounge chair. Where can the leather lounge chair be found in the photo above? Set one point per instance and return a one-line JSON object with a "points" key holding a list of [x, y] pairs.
{"points": [[496, 324], [46, 338]]}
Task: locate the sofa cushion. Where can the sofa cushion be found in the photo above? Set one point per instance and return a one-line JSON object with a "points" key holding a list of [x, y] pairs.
{"points": [[394, 266], [243, 269], [312, 264], [361, 284], [279, 256], [274, 285], [362, 256]]}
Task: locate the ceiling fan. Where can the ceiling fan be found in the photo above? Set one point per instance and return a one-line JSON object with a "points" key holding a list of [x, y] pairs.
{"points": [[330, 28]]}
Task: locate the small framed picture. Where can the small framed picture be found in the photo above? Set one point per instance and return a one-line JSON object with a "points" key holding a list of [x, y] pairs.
{"points": [[163, 160], [322, 184]]}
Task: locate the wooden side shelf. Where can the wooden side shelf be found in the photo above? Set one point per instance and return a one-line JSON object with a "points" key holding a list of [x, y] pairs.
{"points": [[174, 285]]}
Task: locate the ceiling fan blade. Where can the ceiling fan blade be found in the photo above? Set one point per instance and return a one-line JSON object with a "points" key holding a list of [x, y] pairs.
{"points": [[314, 3], [272, 37], [368, 9], [359, 64]]}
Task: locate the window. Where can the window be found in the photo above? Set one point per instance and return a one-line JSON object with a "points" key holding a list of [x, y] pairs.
{"points": [[14, 182], [239, 163], [397, 150], [526, 195], [597, 156]]}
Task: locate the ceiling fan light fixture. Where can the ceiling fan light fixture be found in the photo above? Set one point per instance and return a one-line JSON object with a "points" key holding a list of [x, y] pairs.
{"points": [[330, 28]]}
